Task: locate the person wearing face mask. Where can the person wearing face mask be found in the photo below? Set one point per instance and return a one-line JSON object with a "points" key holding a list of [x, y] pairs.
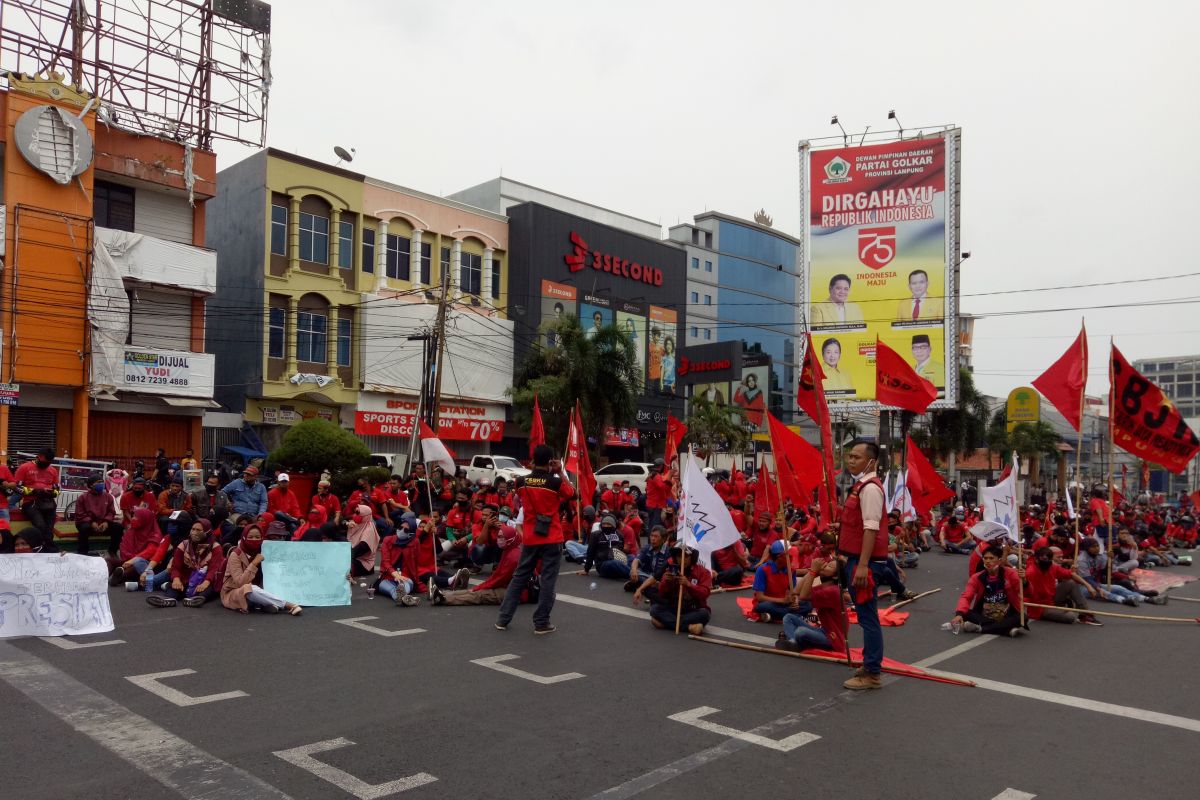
{"points": [[96, 514], [491, 591], [242, 586], [283, 504], [142, 548], [396, 579], [327, 500], [460, 520], [247, 494], [603, 545], [864, 548], [174, 510], [197, 570], [364, 541], [991, 601], [1052, 584], [212, 504], [137, 497], [38, 483]]}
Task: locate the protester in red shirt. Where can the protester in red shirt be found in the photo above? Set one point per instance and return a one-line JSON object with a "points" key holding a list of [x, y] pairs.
{"points": [[541, 492], [658, 489], [826, 599], [282, 503], [991, 602], [731, 564], [38, 482], [762, 535], [491, 591], [137, 497], [326, 499], [694, 581], [1051, 584]]}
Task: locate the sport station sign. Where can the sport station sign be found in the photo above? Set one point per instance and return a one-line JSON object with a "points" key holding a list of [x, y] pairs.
{"points": [[396, 416]]}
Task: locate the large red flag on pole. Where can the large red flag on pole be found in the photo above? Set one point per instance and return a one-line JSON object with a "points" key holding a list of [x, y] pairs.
{"points": [[924, 484], [1145, 422], [810, 396], [587, 478], [676, 430], [571, 462], [1063, 384], [766, 497], [537, 433], [898, 384], [798, 465]]}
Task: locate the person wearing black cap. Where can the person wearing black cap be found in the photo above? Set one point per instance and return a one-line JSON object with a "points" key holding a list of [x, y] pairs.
{"points": [[38, 482], [696, 584], [923, 362], [542, 492], [604, 543]]}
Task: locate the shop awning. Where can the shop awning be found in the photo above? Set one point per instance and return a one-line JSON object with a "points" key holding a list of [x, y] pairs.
{"points": [[245, 452], [190, 402]]}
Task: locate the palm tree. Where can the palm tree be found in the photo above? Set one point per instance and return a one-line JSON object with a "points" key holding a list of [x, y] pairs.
{"points": [[962, 429], [712, 427], [998, 440], [601, 372], [1032, 440]]}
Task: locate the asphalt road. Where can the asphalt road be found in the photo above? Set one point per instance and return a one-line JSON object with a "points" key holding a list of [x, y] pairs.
{"points": [[330, 710]]}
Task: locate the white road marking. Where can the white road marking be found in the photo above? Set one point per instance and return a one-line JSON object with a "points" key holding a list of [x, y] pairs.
{"points": [[359, 623], [67, 644], [493, 662], [640, 613], [302, 757], [694, 717], [969, 644], [150, 682], [175, 763], [1013, 794]]}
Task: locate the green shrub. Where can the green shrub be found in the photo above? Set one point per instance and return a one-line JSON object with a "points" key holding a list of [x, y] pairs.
{"points": [[316, 445]]}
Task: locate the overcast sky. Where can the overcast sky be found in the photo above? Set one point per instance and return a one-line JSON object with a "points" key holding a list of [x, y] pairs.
{"points": [[1077, 117]]}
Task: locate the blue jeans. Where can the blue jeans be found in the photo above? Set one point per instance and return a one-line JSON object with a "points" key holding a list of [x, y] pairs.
{"points": [[780, 610], [389, 588], [613, 569], [576, 550], [796, 628], [161, 578], [550, 557], [484, 554], [868, 620], [960, 549]]}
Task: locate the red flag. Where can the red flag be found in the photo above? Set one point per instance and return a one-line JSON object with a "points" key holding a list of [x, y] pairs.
{"points": [[1195, 498], [897, 383], [587, 478], [537, 434], [810, 396], [1144, 421], [766, 496], [798, 465], [924, 484], [1064, 383], [571, 464], [676, 430]]}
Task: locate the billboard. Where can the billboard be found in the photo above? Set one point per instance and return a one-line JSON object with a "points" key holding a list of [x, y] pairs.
{"points": [[1024, 405], [881, 233]]}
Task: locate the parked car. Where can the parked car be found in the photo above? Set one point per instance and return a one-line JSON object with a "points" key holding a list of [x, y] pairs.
{"points": [[491, 467], [636, 472], [396, 462]]}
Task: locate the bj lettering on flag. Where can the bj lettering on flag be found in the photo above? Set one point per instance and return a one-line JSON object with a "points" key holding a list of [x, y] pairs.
{"points": [[1145, 422]]}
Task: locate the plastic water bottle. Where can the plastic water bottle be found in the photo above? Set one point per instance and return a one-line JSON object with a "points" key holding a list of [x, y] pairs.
{"points": [[148, 577], [592, 586]]}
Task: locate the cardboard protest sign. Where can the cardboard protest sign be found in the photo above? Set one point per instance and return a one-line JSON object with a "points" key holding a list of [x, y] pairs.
{"points": [[52, 594]]}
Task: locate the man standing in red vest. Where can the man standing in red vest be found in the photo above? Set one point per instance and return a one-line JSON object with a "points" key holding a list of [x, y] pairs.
{"points": [[864, 547]]}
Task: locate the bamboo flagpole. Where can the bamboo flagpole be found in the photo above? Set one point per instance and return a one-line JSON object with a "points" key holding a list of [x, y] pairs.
{"points": [[1116, 614], [1112, 515], [1079, 433]]}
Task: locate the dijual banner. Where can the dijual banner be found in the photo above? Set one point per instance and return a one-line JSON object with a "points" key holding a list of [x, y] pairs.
{"points": [[879, 263], [53, 594]]}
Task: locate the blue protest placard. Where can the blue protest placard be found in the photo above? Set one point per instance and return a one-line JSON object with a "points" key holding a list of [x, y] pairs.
{"points": [[307, 573]]}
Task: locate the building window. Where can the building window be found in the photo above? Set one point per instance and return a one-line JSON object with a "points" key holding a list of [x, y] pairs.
{"points": [[343, 344], [112, 206], [708, 239], [310, 337], [368, 254], [695, 332], [707, 334], [278, 230], [470, 273], [398, 248], [695, 236], [346, 245], [708, 299], [708, 266], [695, 297], [314, 238], [276, 330], [495, 279], [695, 263], [445, 265], [426, 259]]}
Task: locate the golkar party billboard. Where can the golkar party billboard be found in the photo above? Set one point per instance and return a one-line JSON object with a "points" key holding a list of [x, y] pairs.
{"points": [[881, 232]]}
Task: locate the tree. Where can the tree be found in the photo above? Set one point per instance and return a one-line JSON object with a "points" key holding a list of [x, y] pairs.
{"points": [[712, 427], [315, 445], [602, 372], [1032, 440], [998, 440], [962, 429]]}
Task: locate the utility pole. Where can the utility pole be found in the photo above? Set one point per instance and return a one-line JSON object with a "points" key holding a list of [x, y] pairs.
{"points": [[440, 333]]}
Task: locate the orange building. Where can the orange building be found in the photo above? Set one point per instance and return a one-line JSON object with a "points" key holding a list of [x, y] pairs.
{"points": [[102, 300]]}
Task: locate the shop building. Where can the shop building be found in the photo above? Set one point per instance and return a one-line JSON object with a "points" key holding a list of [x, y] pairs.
{"points": [[105, 281]]}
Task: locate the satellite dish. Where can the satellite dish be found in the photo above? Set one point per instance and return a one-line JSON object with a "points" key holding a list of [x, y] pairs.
{"points": [[343, 155]]}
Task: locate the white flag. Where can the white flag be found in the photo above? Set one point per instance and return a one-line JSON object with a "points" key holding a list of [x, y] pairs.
{"points": [[704, 521], [434, 451], [999, 502], [898, 498], [1070, 505]]}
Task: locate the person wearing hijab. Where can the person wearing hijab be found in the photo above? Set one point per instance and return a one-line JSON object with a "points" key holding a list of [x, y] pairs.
{"points": [[143, 548], [26, 542], [239, 590], [491, 592], [310, 528], [197, 569], [393, 580], [364, 541]]}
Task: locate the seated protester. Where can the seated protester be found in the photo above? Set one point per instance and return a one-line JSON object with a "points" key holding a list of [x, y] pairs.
{"points": [[1125, 553], [282, 503], [137, 497], [576, 550], [737, 515], [1156, 549], [174, 511], [392, 580], [1052, 584], [1183, 533], [360, 496], [773, 597], [604, 551], [826, 599], [1093, 568], [316, 527], [991, 603], [695, 584], [484, 547], [420, 559], [326, 499], [27, 541], [731, 564], [242, 587], [143, 550], [391, 500], [1061, 537], [364, 541], [630, 523], [214, 505], [96, 514], [954, 537], [806, 524], [459, 521], [921, 532], [491, 591], [650, 559], [197, 569], [763, 534]]}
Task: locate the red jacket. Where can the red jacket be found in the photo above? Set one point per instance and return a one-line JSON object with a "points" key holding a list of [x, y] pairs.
{"points": [[657, 490], [1041, 584], [697, 584], [280, 499], [502, 575], [91, 508], [216, 568], [541, 493], [973, 592]]}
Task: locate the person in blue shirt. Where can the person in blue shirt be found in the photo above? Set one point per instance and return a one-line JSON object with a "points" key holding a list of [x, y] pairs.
{"points": [[247, 494], [650, 561], [774, 598]]}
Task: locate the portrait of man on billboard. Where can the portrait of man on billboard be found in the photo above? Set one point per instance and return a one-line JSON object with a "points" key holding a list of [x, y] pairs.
{"points": [[923, 363], [920, 306], [837, 310]]}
